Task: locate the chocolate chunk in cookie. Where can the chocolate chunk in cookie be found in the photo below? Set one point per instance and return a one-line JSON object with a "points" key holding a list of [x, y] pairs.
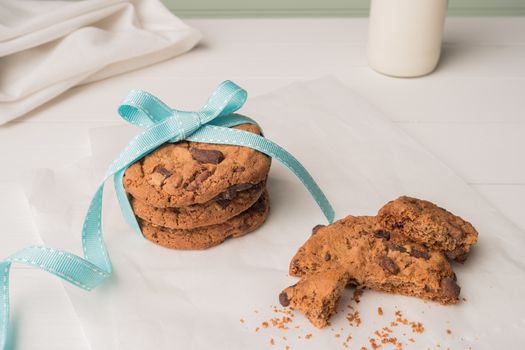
{"points": [[316, 228], [388, 264], [207, 156]]}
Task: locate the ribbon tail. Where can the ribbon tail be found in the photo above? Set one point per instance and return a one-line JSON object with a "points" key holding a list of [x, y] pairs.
{"points": [[94, 248], [227, 136], [4, 308], [65, 265], [124, 204]]}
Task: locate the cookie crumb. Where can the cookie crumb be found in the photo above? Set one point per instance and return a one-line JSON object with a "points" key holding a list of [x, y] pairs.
{"points": [[241, 320], [272, 341], [308, 336], [380, 311], [354, 319], [449, 331], [417, 327], [373, 344], [358, 292]]}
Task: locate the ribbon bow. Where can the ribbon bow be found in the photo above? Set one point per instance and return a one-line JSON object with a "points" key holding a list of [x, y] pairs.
{"points": [[212, 124]]}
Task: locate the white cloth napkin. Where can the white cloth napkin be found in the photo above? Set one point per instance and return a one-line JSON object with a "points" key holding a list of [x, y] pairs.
{"points": [[47, 47], [165, 299]]}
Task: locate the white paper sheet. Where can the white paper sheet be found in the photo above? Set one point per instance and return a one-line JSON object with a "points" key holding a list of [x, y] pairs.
{"points": [[164, 299]]}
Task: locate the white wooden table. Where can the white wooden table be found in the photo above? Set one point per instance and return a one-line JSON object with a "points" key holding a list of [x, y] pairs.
{"points": [[470, 113]]}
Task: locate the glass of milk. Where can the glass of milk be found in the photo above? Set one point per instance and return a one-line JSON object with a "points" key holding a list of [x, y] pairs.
{"points": [[404, 36]]}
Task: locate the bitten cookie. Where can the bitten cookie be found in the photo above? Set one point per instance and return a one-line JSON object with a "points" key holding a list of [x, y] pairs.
{"points": [[430, 225], [209, 236], [355, 250], [226, 205], [185, 173]]}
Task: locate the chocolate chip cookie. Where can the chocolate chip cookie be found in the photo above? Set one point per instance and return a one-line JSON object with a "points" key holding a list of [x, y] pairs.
{"points": [[226, 205], [356, 250], [430, 225], [186, 173], [209, 236]]}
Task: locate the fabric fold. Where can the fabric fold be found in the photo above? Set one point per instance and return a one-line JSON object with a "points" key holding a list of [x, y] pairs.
{"points": [[44, 53]]}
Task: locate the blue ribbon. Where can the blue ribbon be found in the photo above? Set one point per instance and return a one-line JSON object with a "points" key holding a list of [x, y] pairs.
{"points": [[161, 124]]}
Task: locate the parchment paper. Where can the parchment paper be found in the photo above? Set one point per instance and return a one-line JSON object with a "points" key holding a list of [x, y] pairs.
{"points": [[165, 299]]}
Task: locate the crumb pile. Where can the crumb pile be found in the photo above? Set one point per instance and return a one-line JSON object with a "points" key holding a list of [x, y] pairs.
{"points": [[397, 332]]}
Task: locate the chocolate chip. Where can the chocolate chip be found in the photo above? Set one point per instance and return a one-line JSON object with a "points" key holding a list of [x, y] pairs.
{"points": [[459, 254], [449, 288], [397, 247], [191, 186], [427, 289], [388, 264], [206, 156], [283, 299], [454, 231], [259, 206], [223, 202], [327, 257], [241, 187], [382, 234], [419, 254], [316, 228], [203, 176], [163, 171], [174, 210], [196, 180], [244, 226], [352, 284], [239, 169], [231, 192], [296, 263]]}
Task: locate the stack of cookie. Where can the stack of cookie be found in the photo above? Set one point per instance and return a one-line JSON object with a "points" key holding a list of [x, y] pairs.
{"points": [[190, 195], [405, 249]]}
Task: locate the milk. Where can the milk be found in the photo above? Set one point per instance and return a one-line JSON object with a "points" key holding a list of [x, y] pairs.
{"points": [[404, 36]]}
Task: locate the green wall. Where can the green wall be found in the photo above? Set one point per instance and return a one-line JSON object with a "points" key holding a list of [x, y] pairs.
{"points": [[300, 8]]}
